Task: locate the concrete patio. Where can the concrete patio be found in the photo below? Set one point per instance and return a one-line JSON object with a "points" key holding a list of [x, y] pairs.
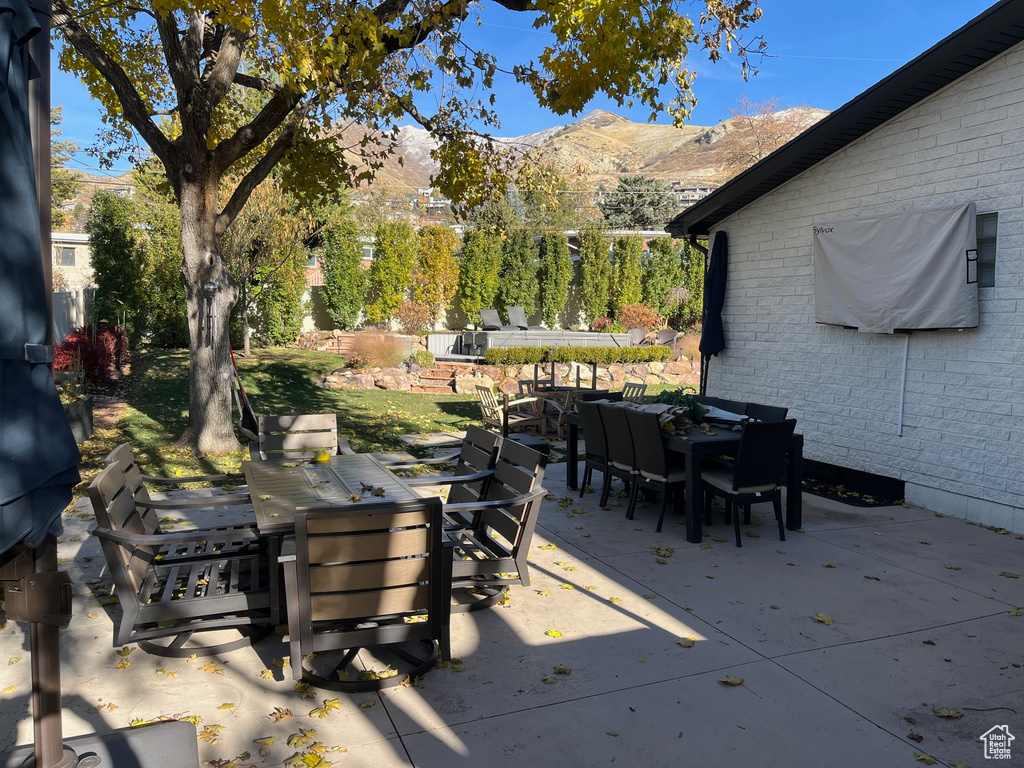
{"points": [[925, 617]]}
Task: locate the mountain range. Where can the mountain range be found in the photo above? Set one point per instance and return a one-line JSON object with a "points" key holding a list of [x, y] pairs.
{"points": [[600, 147]]}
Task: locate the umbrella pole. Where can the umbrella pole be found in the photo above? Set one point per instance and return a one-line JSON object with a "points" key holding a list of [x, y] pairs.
{"points": [[45, 647]]}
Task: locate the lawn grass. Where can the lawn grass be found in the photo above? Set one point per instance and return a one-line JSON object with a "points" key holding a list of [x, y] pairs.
{"points": [[277, 381]]}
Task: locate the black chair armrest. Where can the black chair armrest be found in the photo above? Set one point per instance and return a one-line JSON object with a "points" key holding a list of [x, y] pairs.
{"points": [[401, 463], [192, 479], [451, 479], [206, 501], [178, 537]]}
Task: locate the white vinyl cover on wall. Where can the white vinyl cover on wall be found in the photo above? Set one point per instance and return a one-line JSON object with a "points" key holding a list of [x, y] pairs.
{"points": [[905, 271]]}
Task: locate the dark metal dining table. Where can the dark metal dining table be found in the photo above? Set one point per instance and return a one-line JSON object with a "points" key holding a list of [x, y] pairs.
{"points": [[692, 448], [278, 488]]}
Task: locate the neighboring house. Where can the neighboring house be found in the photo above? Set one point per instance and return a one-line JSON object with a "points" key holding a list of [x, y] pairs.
{"points": [[72, 259], [945, 130]]}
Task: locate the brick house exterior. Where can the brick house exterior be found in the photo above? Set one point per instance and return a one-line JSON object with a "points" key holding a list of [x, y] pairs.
{"points": [[946, 129]]}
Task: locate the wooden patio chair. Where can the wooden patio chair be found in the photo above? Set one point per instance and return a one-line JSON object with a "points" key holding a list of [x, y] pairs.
{"points": [[371, 581], [492, 535], [634, 392], [173, 585], [506, 414], [300, 436], [758, 475], [473, 469]]}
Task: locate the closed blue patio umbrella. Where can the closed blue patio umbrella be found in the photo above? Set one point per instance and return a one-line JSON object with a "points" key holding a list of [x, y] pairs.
{"points": [[712, 335], [38, 456]]}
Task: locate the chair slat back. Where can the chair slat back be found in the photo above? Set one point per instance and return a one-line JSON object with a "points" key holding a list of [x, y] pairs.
{"points": [[490, 318], [732, 406], [300, 436], [706, 400], [761, 457], [116, 510], [518, 470], [593, 429], [514, 523], [489, 405], [648, 443], [766, 412], [634, 392], [367, 560], [479, 452], [617, 436]]}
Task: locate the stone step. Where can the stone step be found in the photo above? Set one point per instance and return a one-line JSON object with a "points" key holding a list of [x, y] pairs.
{"points": [[432, 390]]}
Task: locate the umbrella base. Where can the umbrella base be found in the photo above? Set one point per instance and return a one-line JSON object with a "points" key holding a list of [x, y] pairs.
{"points": [[143, 747]]}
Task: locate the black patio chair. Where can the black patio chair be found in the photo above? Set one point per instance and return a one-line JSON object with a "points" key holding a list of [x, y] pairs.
{"points": [[760, 412], [517, 317], [367, 576], [596, 445], [474, 467], [490, 320], [654, 471], [621, 460], [758, 474], [732, 406]]}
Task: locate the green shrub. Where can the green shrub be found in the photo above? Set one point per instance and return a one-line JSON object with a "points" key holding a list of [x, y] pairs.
{"points": [[424, 358], [588, 355]]}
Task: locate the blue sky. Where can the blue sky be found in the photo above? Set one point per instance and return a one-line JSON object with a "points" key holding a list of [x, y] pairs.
{"points": [[824, 52]]}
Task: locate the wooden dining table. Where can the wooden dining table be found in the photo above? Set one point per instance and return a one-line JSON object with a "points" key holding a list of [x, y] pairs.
{"points": [[278, 488], [691, 448]]}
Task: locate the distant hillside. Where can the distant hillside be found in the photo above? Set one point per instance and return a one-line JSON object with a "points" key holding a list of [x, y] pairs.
{"points": [[600, 147]]}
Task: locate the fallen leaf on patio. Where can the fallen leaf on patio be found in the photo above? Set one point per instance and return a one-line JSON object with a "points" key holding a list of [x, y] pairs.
{"points": [[354, 497], [585, 535], [267, 674], [731, 680], [264, 744], [554, 633], [928, 642], [227, 705], [280, 714], [781, 551], [924, 758], [661, 551], [13, 660], [916, 737], [752, 535], [660, 560], [368, 704], [928, 543], [774, 607], [706, 546], [953, 567], [614, 599], [295, 761], [265, 497], [194, 719], [569, 568], [1016, 612], [708, 577], [650, 597], [549, 679], [191, 658], [567, 586], [305, 692], [869, 576], [124, 652], [828, 565], [958, 764], [212, 668], [878, 533], [720, 539], [123, 664], [823, 619], [289, 464], [138, 722], [952, 714], [543, 592], [285, 662], [560, 562], [911, 720], [1009, 575], [561, 669], [209, 733], [549, 546], [10, 689], [686, 642], [93, 615], [591, 588]]}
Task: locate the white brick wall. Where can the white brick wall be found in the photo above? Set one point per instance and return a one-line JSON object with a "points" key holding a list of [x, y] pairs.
{"points": [[962, 448]]}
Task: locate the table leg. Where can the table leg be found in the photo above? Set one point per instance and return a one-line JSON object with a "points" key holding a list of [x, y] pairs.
{"points": [[572, 449], [794, 489], [273, 552], [694, 507]]}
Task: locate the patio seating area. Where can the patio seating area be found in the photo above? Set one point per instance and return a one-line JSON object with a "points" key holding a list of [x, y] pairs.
{"points": [[850, 638]]}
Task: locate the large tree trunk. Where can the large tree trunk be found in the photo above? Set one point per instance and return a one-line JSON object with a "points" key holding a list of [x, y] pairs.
{"points": [[210, 426]]}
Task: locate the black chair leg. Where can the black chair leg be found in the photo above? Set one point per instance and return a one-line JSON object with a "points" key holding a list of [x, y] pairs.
{"points": [[586, 479], [707, 508], [606, 489], [746, 514], [664, 508], [736, 522], [634, 495], [777, 503]]}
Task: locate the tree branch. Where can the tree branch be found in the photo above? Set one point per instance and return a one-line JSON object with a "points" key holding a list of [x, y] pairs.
{"points": [[256, 131], [256, 83], [133, 107], [259, 172], [221, 74]]}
